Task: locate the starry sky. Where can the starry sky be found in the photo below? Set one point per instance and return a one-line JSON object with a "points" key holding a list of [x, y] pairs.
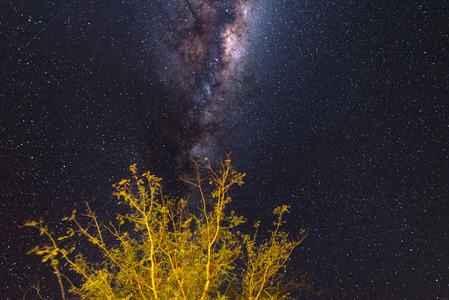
{"points": [[337, 108]]}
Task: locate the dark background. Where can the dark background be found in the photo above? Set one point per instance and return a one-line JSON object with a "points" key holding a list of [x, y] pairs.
{"points": [[347, 121]]}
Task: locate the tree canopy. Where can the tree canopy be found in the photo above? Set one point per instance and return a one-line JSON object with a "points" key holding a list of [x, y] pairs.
{"points": [[158, 250]]}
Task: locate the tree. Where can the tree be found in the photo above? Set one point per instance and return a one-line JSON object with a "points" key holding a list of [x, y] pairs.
{"points": [[167, 252]]}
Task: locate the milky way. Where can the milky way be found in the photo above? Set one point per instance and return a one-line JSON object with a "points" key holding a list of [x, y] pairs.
{"points": [[209, 43]]}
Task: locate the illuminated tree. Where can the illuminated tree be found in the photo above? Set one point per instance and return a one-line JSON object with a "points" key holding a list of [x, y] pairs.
{"points": [[168, 253]]}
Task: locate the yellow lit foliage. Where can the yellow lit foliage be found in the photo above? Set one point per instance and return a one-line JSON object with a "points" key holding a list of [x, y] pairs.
{"points": [[169, 253]]}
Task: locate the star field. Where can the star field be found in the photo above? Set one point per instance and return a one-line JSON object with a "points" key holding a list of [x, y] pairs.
{"points": [[339, 109]]}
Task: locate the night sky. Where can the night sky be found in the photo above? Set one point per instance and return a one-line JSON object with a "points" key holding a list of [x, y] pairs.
{"points": [[337, 108]]}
